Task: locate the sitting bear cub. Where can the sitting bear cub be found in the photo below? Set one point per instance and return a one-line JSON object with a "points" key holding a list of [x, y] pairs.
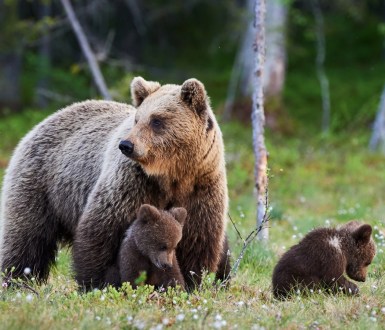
{"points": [[320, 259], [149, 246]]}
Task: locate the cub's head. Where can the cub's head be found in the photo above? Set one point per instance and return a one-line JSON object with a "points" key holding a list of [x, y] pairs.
{"points": [[361, 250], [157, 233], [173, 127]]}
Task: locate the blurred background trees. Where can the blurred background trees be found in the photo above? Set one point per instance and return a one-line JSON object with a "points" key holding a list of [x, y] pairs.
{"points": [[42, 65]]}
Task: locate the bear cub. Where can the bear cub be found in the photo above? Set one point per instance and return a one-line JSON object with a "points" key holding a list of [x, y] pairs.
{"points": [[320, 259], [149, 246]]}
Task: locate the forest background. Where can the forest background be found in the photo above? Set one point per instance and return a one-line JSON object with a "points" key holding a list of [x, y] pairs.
{"points": [[323, 92]]}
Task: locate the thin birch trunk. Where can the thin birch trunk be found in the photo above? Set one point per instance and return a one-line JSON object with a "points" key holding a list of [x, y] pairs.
{"points": [[258, 117], [275, 63], [320, 65], [378, 136], [93, 64], [275, 59]]}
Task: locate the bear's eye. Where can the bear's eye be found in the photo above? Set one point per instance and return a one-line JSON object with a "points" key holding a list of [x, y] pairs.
{"points": [[367, 264], [136, 121], [156, 123], [163, 248]]}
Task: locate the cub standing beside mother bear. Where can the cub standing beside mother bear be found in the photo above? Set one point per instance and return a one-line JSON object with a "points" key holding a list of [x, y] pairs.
{"points": [[68, 181], [149, 246]]}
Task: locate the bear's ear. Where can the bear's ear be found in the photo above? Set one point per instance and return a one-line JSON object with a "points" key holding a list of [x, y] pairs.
{"points": [[193, 93], [141, 88], [362, 234], [180, 214], [350, 226], [148, 213]]}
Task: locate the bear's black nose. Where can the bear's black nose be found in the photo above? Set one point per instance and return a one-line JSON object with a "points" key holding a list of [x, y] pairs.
{"points": [[126, 147]]}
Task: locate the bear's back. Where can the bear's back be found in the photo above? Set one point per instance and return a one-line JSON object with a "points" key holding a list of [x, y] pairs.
{"points": [[64, 154]]}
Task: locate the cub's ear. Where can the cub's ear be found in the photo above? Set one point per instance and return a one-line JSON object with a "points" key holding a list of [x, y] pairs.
{"points": [[141, 88], [193, 93], [362, 234], [350, 226], [148, 213], [180, 214]]}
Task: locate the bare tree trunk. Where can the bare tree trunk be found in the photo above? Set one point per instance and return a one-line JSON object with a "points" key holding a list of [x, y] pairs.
{"points": [[378, 136], [93, 64], [320, 61], [275, 65], [258, 117]]}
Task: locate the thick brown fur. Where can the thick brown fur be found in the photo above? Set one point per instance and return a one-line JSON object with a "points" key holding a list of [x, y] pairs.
{"points": [[320, 259], [68, 180], [150, 246]]}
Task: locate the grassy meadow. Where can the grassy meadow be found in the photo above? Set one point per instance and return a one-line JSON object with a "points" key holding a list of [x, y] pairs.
{"points": [[320, 180]]}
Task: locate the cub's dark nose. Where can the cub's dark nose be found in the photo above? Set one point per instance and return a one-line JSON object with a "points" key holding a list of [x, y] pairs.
{"points": [[166, 266], [126, 147]]}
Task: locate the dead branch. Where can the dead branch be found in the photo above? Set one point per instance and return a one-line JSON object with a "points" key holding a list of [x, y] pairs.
{"points": [[235, 227], [250, 237], [93, 64], [20, 283]]}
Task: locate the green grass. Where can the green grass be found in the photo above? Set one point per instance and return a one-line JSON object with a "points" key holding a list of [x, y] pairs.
{"points": [[313, 182]]}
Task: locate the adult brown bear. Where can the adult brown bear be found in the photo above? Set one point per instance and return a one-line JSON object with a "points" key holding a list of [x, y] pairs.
{"points": [[68, 180]]}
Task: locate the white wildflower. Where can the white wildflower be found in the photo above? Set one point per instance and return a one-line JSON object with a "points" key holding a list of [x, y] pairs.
{"points": [[29, 297], [157, 327], [139, 324]]}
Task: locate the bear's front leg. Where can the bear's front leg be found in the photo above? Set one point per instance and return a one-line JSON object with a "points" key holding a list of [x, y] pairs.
{"points": [[112, 276], [224, 266], [95, 249], [347, 287], [98, 237], [170, 277], [203, 236]]}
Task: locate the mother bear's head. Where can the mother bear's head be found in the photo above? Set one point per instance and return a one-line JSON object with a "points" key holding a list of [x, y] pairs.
{"points": [[174, 131]]}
